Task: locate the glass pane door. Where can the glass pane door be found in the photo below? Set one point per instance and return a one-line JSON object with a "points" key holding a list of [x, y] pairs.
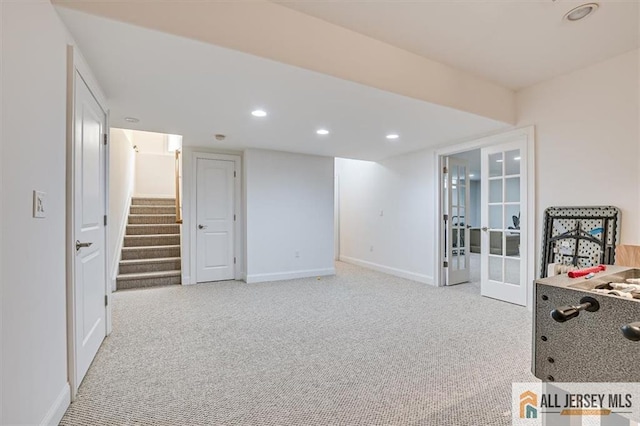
{"points": [[503, 215], [457, 230]]}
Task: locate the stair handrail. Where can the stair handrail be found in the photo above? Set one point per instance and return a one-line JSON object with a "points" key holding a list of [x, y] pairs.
{"points": [[178, 203]]}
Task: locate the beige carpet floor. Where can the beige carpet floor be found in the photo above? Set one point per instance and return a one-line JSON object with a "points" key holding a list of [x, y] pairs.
{"points": [[360, 348]]}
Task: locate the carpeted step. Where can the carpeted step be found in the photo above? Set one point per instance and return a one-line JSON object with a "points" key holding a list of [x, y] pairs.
{"points": [[151, 240], [149, 229], [137, 219], [153, 210], [151, 252], [138, 201], [148, 279], [149, 265]]}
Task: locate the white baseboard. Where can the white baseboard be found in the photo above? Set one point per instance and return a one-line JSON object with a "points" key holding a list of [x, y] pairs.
{"points": [[280, 276], [186, 280], [59, 407], [389, 270]]}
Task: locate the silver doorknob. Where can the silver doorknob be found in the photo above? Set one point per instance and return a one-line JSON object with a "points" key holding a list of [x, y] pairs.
{"points": [[202, 226], [485, 229], [80, 245]]}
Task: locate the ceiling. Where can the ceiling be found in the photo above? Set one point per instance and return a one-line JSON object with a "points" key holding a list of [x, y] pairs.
{"points": [[182, 86], [515, 43]]}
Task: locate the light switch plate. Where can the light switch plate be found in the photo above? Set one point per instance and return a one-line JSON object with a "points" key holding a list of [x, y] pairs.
{"points": [[39, 204]]}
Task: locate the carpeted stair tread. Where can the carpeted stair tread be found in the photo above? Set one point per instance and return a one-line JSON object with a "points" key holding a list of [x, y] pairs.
{"points": [[152, 235], [150, 255], [146, 261], [153, 229], [142, 275], [151, 240], [152, 219], [151, 264], [173, 246], [152, 210], [139, 201]]}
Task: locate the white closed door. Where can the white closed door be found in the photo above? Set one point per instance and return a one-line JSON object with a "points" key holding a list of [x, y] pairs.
{"points": [[215, 201], [504, 222], [456, 203], [89, 231]]}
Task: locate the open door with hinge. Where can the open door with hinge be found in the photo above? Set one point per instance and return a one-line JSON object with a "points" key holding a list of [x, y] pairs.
{"points": [[505, 210], [456, 230]]}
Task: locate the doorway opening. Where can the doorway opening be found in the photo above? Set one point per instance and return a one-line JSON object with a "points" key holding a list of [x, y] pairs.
{"points": [[145, 209], [486, 227]]}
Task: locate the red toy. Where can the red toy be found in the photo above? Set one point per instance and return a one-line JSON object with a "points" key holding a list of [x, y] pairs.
{"points": [[586, 271]]}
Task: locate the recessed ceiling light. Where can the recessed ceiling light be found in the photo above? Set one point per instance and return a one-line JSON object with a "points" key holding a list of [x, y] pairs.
{"points": [[516, 158], [393, 136], [581, 12], [259, 113], [131, 119], [322, 131]]}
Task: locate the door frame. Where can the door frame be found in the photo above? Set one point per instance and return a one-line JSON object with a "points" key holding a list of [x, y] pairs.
{"points": [[496, 139], [237, 228], [77, 65]]}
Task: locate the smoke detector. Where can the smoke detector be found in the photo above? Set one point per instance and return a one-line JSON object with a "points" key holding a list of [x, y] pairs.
{"points": [[220, 137]]}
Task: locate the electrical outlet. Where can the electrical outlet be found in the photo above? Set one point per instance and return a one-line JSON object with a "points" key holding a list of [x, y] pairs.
{"points": [[371, 248], [39, 204], [297, 254]]}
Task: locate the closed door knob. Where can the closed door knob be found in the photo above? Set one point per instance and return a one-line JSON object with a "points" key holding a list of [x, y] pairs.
{"points": [[202, 226], [485, 229]]}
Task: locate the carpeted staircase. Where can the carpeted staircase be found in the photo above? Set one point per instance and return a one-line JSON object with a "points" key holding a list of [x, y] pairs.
{"points": [[151, 250]]}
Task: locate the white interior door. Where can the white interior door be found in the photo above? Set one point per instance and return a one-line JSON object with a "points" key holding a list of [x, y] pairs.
{"points": [[504, 222], [456, 203], [89, 230], [215, 217]]}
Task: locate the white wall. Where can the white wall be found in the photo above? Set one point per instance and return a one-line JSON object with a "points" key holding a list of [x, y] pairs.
{"points": [[121, 180], [289, 210], [387, 214], [587, 152], [155, 165], [155, 175], [587, 140], [34, 344]]}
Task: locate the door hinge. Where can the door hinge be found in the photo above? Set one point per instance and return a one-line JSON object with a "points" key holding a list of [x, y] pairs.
{"points": [[106, 300], [234, 217], [445, 170], [445, 264], [234, 260], [105, 220], [105, 138], [445, 217], [234, 173]]}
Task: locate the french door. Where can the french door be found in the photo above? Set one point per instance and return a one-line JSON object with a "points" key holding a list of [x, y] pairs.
{"points": [[504, 210], [456, 206]]}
